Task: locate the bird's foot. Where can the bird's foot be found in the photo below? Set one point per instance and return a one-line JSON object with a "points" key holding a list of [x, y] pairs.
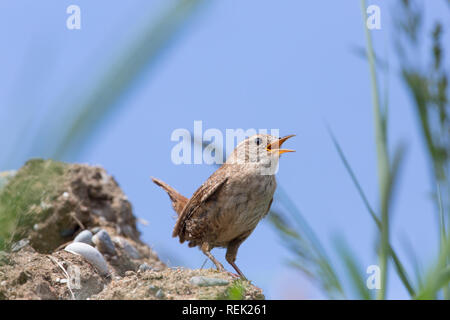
{"points": [[237, 269], [233, 275], [219, 267]]}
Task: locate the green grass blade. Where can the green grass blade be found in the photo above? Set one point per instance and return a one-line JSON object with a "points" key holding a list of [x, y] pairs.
{"points": [[401, 271], [415, 262], [443, 236], [353, 177], [99, 101], [353, 269], [382, 158], [439, 276], [308, 256]]}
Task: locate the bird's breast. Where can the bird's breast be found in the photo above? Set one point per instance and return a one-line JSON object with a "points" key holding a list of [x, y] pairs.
{"points": [[242, 204]]}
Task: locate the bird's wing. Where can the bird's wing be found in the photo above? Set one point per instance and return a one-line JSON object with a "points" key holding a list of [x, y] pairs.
{"points": [[195, 205], [268, 208]]}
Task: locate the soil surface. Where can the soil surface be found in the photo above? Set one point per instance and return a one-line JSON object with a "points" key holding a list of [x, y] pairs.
{"points": [[45, 205]]}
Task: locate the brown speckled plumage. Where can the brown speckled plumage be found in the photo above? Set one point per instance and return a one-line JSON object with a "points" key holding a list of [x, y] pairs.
{"points": [[226, 208]]}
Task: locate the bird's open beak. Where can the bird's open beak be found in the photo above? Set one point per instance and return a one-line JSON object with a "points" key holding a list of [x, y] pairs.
{"points": [[275, 146]]}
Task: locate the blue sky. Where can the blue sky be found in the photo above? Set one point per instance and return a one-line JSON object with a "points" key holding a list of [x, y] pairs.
{"points": [[289, 65]]}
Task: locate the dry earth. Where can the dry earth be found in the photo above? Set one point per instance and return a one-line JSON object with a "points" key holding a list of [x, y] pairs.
{"points": [[46, 204]]}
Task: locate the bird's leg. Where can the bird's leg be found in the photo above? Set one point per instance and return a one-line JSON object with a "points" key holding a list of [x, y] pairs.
{"points": [[206, 249], [231, 257], [232, 250]]}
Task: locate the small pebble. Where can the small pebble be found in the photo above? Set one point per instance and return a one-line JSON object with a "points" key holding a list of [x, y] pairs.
{"points": [[19, 245], [128, 248], [127, 230], [144, 267], [97, 212], [103, 242], [84, 236], [96, 229], [129, 273], [152, 288], [160, 294], [208, 282], [91, 254], [131, 251]]}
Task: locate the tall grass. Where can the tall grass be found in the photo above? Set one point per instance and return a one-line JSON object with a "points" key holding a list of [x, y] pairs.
{"points": [[427, 83], [71, 122], [384, 169], [429, 91]]}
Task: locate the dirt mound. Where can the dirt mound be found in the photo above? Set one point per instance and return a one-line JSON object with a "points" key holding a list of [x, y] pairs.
{"points": [[47, 205], [49, 202], [30, 275], [177, 284]]}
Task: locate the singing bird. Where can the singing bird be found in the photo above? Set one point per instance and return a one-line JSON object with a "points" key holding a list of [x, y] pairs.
{"points": [[226, 208]]}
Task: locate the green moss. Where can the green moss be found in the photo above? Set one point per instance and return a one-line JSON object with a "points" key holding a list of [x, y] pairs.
{"points": [[4, 259], [236, 291], [23, 200]]}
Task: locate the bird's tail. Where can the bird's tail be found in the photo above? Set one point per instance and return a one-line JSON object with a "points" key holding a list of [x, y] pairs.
{"points": [[178, 201]]}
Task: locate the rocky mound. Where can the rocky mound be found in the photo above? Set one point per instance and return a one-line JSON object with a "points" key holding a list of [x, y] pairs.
{"points": [[67, 231]]}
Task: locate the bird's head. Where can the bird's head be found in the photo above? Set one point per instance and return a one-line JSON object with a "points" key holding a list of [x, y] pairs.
{"points": [[260, 151]]}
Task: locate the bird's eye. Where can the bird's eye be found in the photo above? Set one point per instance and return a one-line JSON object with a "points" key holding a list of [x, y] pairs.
{"points": [[258, 141]]}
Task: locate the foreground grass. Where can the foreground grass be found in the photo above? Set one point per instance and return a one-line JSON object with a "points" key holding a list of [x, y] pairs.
{"points": [[22, 200]]}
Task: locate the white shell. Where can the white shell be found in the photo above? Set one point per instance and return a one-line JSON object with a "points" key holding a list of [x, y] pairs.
{"points": [[90, 254]]}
